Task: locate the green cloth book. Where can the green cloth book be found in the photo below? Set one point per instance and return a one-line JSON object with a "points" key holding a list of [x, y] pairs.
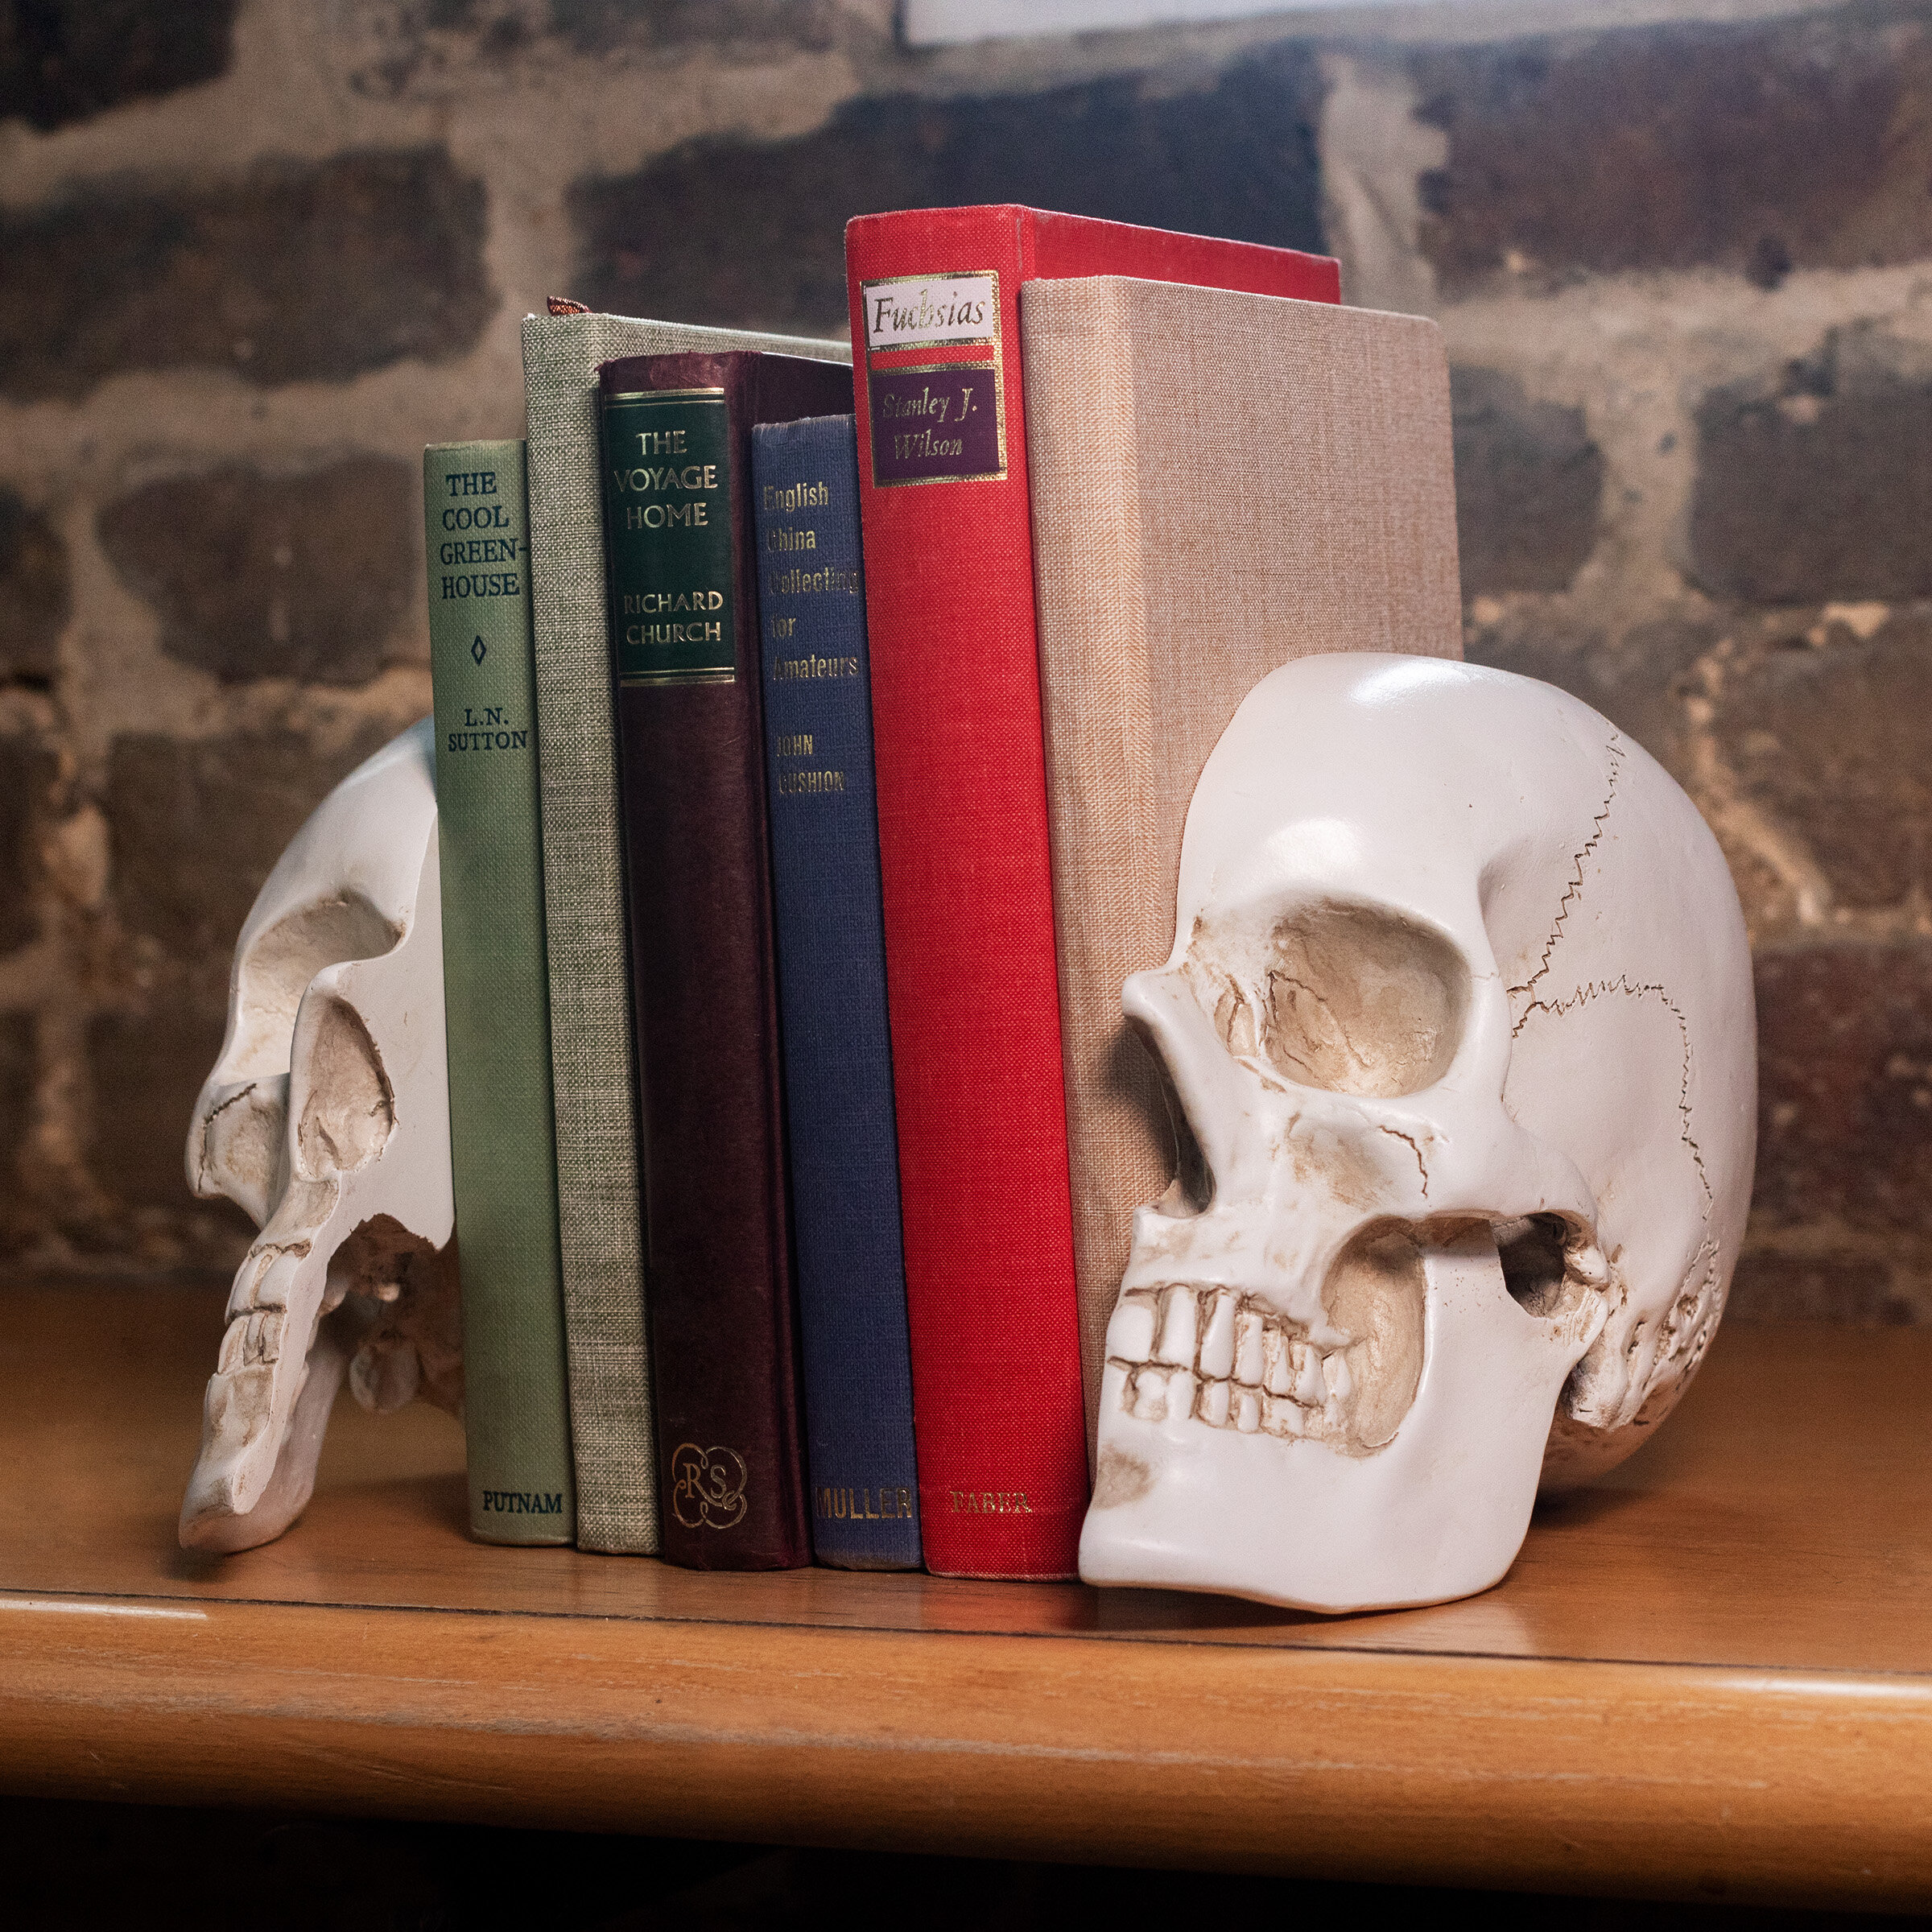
{"points": [[516, 1416], [593, 1045]]}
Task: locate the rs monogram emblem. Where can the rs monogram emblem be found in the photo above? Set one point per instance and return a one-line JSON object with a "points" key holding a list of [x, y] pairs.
{"points": [[707, 1487]]}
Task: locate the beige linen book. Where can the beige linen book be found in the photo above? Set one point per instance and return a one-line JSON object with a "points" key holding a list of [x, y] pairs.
{"points": [[1221, 482]]}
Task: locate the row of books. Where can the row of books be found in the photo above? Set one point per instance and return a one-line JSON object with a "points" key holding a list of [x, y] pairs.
{"points": [[816, 726]]}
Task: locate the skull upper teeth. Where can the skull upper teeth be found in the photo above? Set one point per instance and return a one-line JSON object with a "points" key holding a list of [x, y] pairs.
{"points": [[1214, 1355], [249, 1339]]}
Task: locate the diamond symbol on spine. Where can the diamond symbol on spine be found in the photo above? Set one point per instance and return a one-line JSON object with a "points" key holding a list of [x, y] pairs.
{"points": [[479, 650]]}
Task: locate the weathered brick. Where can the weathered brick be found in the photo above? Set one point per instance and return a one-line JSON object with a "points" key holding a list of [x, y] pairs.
{"points": [[1833, 743], [743, 231], [25, 773], [296, 271], [62, 61], [1818, 486], [146, 1076], [1528, 481], [17, 1073], [35, 594], [306, 577], [1845, 1088], [608, 27], [194, 828], [1754, 147], [1637, 684], [1848, 1286], [405, 45]]}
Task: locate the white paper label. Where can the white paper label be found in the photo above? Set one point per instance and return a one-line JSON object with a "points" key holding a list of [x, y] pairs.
{"points": [[932, 309]]}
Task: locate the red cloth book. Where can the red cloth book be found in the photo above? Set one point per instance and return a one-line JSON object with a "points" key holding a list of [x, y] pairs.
{"points": [[971, 970]]}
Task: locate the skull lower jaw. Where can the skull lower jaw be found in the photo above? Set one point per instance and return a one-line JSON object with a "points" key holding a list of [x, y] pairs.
{"points": [[217, 1514], [311, 1306], [273, 1312], [1438, 1512]]}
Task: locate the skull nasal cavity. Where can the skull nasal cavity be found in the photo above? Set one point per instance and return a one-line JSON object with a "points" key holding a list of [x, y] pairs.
{"points": [[1354, 999], [348, 1109]]}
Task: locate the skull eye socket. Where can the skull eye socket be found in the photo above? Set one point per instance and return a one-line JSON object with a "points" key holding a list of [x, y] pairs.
{"points": [[350, 1110], [1351, 999], [280, 964]]}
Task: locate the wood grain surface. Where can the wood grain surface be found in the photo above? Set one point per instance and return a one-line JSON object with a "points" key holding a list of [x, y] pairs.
{"points": [[1710, 1675]]}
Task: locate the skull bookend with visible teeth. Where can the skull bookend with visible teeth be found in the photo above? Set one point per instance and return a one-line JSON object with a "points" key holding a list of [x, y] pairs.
{"points": [[1459, 1019], [327, 1119]]}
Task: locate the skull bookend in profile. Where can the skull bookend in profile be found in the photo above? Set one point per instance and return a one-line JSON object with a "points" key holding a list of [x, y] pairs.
{"points": [[1460, 1017], [327, 1119]]}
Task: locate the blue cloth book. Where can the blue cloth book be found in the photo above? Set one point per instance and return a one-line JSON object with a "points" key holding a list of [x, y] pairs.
{"points": [[840, 1131]]}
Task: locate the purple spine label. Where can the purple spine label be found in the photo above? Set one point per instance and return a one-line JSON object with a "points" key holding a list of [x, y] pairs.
{"points": [[944, 424]]}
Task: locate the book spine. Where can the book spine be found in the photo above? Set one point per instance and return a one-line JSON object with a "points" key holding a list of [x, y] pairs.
{"points": [[967, 896], [516, 1416], [683, 605], [601, 1187], [1089, 564], [862, 1472]]}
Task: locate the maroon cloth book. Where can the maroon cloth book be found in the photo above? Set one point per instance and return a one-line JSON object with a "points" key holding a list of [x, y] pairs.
{"points": [[681, 584]]}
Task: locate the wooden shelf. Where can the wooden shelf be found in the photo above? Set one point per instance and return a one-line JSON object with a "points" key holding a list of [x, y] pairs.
{"points": [[1709, 1676]]}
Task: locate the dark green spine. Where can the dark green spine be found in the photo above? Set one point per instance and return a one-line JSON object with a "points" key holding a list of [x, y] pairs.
{"points": [[516, 1414], [669, 553]]}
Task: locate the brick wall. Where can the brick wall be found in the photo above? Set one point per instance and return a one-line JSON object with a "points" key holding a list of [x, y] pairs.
{"points": [[257, 252]]}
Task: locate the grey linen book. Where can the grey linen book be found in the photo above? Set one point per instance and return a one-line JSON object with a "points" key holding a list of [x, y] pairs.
{"points": [[1316, 511], [593, 1057]]}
